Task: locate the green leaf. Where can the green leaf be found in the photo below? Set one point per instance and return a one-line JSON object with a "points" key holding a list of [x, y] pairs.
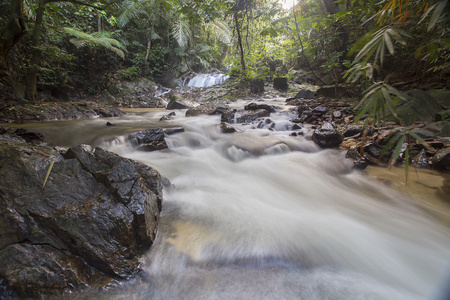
{"points": [[396, 152], [48, 174], [437, 14]]}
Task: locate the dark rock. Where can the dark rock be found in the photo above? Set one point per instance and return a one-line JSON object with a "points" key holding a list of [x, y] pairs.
{"points": [[296, 120], [165, 118], [168, 117], [21, 134], [441, 159], [110, 124], [327, 136], [442, 97], [311, 80], [87, 227], [227, 128], [228, 117], [255, 106], [280, 83], [373, 148], [296, 127], [108, 112], [443, 115], [441, 128], [332, 91], [424, 133], [148, 140], [305, 94], [319, 111], [207, 109], [359, 162], [256, 86], [352, 131], [174, 130], [419, 106], [252, 116]]}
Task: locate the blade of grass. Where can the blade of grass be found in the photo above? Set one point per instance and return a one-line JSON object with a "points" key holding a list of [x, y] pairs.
{"points": [[48, 174]]}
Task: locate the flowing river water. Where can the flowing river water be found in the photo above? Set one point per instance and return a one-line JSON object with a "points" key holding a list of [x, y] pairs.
{"points": [[260, 214]]}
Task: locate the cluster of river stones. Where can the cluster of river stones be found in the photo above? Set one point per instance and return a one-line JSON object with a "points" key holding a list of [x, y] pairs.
{"points": [[331, 122]]}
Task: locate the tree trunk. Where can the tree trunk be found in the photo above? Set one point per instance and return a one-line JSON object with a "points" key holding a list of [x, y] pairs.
{"points": [[11, 33], [31, 92], [239, 41]]}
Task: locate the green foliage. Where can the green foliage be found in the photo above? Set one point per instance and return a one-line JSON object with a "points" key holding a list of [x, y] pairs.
{"points": [[376, 101], [400, 140], [96, 39]]}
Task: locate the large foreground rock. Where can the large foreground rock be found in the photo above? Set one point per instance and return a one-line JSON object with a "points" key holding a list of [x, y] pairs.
{"points": [[86, 228]]}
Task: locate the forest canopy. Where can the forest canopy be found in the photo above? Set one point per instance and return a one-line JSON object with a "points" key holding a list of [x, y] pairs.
{"points": [[70, 48]]}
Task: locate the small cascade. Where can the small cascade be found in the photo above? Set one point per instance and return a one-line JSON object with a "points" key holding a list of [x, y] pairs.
{"points": [[204, 80]]}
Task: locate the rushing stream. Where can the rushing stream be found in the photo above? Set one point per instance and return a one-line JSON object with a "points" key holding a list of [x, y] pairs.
{"points": [[262, 215]]}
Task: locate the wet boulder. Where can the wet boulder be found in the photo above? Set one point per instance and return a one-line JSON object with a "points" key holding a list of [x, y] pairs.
{"points": [[327, 136], [207, 109], [84, 226], [441, 159], [280, 83], [228, 117], [148, 140], [252, 116], [255, 106], [359, 162], [256, 86], [173, 130], [332, 91], [305, 94], [227, 128], [418, 106]]}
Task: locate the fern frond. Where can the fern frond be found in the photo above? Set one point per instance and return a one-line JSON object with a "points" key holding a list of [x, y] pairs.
{"points": [[221, 31], [181, 31]]}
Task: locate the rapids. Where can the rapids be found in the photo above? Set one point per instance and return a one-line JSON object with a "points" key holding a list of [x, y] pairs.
{"points": [[260, 214]]}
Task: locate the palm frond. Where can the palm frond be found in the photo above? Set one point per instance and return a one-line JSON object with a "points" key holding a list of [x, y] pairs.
{"points": [[181, 31], [131, 10], [221, 31]]}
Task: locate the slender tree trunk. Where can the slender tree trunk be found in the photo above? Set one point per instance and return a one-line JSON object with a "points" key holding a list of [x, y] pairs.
{"points": [[239, 41], [149, 44], [11, 33], [31, 92]]}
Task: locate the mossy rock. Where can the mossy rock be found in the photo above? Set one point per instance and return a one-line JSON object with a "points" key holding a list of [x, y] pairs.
{"points": [[419, 106]]}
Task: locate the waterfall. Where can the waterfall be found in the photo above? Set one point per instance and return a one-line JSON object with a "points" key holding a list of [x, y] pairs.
{"points": [[204, 80]]}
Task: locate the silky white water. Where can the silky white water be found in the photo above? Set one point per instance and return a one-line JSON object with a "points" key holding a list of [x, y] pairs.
{"points": [[260, 214]]}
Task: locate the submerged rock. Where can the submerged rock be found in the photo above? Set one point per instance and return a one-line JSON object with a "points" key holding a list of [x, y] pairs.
{"points": [[252, 116], [85, 227]]}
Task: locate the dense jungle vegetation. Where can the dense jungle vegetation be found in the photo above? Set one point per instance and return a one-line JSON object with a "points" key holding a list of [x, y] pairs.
{"points": [[52, 49]]}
